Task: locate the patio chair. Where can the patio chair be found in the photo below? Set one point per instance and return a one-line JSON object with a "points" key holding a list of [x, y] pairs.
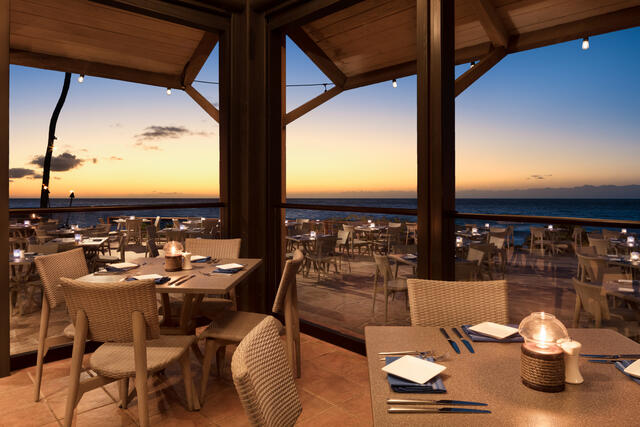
{"points": [[263, 380], [357, 242], [577, 237], [134, 230], [539, 243], [390, 285], [51, 268], [42, 235], [601, 245], [175, 235], [598, 267], [18, 243], [610, 234], [583, 271], [466, 271], [215, 248], [44, 249], [342, 246], [591, 299], [101, 260], [125, 319], [151, 249], [437, 303], [499, 250], [412, 229], [231, 327], [481, 255], [322, 255]]}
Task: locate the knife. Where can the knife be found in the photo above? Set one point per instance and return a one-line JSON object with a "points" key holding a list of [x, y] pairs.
{"points": [[432, 402], [612, 356], [608, 360], [452, 342], [465, 342], [180, 282], [394, 410], [393, 353], [177, 279]]}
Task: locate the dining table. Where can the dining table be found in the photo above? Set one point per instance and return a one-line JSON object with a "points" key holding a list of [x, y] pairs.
{"points": [[628, 290], [491, 375]]}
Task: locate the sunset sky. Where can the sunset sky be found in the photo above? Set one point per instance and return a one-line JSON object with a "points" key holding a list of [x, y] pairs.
{"points": [[551, 117]]}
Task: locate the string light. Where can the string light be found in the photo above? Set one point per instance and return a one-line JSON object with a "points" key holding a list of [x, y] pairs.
{"points": [[472, 64], [394, 83], [585, 43], [80, 78], [168, 91]]}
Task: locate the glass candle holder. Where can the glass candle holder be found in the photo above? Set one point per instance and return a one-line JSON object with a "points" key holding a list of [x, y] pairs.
{"points": [[635, 256], [372, 225], [542, 359], [27, 222], [631, 240], [173, 256], [77, 237], [132, 217], [474, 230], [623, 231], [312, 234], [18, 253], [487, 226], [550, 227]]}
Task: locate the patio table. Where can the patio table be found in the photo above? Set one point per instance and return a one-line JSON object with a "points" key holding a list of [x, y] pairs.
{"points": [[613, 288], [492, 375]]}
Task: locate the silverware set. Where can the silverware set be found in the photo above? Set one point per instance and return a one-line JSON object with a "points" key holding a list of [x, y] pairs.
{"points": [[453, 343], [442, 406], [182, 279], [610, 358], [421, 354]]}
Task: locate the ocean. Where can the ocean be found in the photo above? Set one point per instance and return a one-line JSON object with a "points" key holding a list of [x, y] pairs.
{"points": [[621, 209]]}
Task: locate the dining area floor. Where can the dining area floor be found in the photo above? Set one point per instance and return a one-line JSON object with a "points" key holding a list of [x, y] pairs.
{"points": [[333, 388]]}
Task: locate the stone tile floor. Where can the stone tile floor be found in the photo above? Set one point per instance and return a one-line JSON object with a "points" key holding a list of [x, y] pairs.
{"points": [[334, 389]]}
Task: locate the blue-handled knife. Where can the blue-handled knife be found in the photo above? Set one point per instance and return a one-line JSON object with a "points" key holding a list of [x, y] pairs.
{"points": [[465, 342], [433, 402], [612, 356], [405, 410], [451, 342]]}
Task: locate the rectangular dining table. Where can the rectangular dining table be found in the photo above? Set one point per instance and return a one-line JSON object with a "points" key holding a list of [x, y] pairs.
{"points": [[492, 375]]}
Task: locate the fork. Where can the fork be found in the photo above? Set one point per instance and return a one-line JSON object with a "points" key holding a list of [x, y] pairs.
{"points": [[424, 355]]}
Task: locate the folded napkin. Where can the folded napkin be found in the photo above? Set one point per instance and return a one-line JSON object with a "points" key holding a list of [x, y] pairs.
{"points": [[621, 365], [200, 259], [159, 280], [476, 337], [400, 385], [120, 267], [227, 270]]}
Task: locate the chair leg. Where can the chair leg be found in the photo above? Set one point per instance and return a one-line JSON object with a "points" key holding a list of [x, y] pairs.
{"points": [[123, 390], [42, 349], [186, 373], [220, 355], [76, 367], [209, 352]]}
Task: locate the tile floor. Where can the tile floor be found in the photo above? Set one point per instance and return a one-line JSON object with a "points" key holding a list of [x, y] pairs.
{"points": [[334, 389]]}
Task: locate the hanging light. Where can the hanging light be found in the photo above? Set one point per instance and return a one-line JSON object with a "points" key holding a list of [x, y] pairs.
{"points": [[168, 91], [80, 78], [585, 43], [472, 64], [394, 83]]}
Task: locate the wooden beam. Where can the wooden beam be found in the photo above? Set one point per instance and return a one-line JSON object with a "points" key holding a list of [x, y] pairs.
{"points": [[436, 139], [491, 22], [303, 12], [4, 190], [614, 21], [381, 75], [478, 70], [199, 57], [317, 55], [116, 72], [203, 102], [472, 53], [200, 18], [310, 105]]}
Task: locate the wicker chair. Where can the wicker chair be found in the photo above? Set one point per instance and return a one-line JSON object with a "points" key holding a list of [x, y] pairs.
{"points": [[51, 268], [263, 379], [441, 303], [390, 286], [44, 248], [342, 247], [125, 318], [151, 249], [215, 248], [230, 327], [601, 245], [322, 255], [102, 259], [134, 230]]}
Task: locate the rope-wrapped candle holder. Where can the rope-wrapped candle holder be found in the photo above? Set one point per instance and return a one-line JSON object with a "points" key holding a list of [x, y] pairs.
{"points": [[173, 256], [542, 359]]}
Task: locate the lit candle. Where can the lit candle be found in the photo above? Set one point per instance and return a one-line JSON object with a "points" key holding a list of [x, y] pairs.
{"points": [[27, 222], [18, 253], [373, 225], [369, 221], [132, 217], [624, 231], [183, 227], [550, 227], [631, 240], [78, 237], [486, 225], [202, 219], [635, 256], [33, 216], [286, 221], [312, 234], [474, 230]]}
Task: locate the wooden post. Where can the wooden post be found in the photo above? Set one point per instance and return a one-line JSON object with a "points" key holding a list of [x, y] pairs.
{"points": [[4, 189], [436, 139]]}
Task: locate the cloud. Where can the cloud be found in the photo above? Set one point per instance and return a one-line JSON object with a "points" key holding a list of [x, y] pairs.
{"points": [[153, 133], [20, 172], [94, 160], [115, 125], [115, 158], [147, 147], [536, 176], [61, 163]]}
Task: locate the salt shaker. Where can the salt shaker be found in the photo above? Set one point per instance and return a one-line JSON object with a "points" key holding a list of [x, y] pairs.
{"points": [[186, 261], [572, 373]]}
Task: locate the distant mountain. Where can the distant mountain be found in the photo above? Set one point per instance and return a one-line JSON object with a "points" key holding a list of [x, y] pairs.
{"points": [[584, 192]]}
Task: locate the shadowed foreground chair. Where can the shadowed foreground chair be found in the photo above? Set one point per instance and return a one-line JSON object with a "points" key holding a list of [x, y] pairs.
{"points": [[125, 318], [441, 303], [263, 378], [51, 268], [230, 327]]}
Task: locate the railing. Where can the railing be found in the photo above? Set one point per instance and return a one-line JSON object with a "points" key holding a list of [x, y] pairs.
{"points": [[28, 211]]}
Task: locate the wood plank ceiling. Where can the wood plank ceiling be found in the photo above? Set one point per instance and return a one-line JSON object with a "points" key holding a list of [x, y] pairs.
{"points": [[378, 34], [90, 38]]}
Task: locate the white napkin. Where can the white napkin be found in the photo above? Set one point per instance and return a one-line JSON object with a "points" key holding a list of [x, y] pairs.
{"points": [[414, 369], [228, 266], [494, 330]]}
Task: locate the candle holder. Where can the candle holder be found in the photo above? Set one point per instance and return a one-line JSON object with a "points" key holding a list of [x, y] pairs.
{"points": [[624, 231], [487, 226], [173, 256], [18, 254], [77, 237], [634, 257], [542, 359], [27, 222]]}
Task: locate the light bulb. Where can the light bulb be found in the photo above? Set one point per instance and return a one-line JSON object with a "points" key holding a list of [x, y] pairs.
{"points": [[80, 78], [168, 91], [472, 64], [585, 43], [394, 83]]}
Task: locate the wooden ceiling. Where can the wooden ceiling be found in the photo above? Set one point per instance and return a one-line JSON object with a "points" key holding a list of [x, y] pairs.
{"points": [[90, 38], [378, 37]]}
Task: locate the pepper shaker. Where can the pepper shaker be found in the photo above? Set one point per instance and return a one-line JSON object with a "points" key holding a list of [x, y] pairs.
{"points": [[572, 373]]}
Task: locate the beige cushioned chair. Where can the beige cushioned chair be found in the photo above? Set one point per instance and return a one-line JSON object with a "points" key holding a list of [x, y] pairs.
{"points": [[442, 303], [230, 327], [51, 268], [263, 378], [125, 318]]}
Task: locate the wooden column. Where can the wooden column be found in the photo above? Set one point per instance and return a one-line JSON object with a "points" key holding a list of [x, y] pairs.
{"points": [[436, 139], [245, 153], [4, 189]]}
